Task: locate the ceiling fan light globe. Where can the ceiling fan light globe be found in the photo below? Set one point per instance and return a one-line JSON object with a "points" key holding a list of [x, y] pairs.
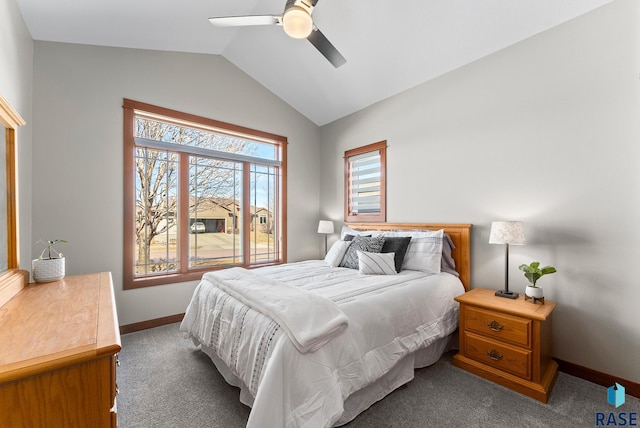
{"points": [[297, 22]]}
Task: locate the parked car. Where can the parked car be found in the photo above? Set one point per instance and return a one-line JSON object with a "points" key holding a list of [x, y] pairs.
{"points": [[198, 227]]}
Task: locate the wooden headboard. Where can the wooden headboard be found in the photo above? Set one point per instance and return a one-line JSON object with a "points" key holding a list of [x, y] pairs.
{"points": [[460, 235]]}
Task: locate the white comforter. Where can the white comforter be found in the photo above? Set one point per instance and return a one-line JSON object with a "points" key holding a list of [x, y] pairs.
{"points": [[389, 317], [309, 319]]}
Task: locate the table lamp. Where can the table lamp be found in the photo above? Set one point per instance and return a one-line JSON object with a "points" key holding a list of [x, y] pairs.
{"points": [[507, 233], [326, 227]]}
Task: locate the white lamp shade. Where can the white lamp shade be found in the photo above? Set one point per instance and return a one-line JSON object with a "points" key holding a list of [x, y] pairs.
{"points": [[325, 226], [507, 232]]}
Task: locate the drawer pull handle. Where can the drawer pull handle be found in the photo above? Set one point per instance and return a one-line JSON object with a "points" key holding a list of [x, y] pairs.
{"points": [[495, 326], [494, 355]]}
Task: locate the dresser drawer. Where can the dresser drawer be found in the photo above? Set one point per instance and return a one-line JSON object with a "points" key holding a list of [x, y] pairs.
{"points": [[502, 327], [510, 359]]}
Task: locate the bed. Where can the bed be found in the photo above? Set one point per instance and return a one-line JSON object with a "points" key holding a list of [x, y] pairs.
{"points": [[315, 343]]}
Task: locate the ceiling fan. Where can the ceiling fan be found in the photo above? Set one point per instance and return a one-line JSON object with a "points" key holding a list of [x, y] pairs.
{"points": [[297, 23]]}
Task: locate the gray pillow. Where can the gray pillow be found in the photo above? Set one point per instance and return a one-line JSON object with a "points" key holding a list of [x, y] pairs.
{"points": [[397, 245], [447, 264], [367, 244], [348, 237]]}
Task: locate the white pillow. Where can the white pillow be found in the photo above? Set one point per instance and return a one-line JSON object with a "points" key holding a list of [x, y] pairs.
{"points": [[346, 230], [425, 250], [336, 253], [376, 263]]}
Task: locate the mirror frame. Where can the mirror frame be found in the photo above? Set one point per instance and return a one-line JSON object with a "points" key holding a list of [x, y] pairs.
{"points": [[13, 279]]}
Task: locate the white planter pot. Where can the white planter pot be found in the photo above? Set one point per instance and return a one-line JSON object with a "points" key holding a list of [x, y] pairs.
{"points": [[47, 270], [535, 292]]}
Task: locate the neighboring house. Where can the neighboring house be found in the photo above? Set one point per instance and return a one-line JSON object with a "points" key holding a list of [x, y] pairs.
{"points": [[221, 215], [217, 215], [261, 218]]}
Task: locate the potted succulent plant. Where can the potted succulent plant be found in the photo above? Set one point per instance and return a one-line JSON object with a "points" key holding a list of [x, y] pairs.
{"points": [[533, 272], [50, 266]]}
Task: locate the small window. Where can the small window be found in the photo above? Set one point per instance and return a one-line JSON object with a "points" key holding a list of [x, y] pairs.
{"points": [[365, 183]]}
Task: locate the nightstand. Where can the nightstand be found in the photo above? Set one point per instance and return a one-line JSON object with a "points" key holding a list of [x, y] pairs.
{"points": [[507, 342]]}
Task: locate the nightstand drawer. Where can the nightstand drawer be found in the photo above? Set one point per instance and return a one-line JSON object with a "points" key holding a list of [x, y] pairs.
{"points": [[504, 357], [499, 326]]}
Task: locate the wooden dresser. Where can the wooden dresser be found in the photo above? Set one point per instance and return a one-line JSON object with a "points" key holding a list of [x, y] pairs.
{"points": [[58, 354], [507, 341]]}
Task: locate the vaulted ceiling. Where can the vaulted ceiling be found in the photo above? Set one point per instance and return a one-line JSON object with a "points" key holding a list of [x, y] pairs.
{"points": [[390, 46]]}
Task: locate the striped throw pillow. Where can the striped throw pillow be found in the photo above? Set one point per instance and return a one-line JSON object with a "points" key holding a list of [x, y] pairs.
{"points": [[376, 263]]}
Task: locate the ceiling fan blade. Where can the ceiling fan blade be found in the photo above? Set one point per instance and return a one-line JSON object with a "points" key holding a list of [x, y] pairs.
{"points": [[240, 21], [325, 47]]}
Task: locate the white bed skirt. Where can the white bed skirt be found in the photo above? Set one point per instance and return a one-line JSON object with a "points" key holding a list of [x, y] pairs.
{"points": [[361, 400]]}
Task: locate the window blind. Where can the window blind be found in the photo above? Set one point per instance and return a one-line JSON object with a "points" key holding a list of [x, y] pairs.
{"points": [[365, 174]]}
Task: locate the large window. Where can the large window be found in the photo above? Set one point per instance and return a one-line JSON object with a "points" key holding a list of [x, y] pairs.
{"points": [[199, 195], [365, 183]]}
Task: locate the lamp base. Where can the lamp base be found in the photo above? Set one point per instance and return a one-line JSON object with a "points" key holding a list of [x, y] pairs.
{"points": [[507, 294]]}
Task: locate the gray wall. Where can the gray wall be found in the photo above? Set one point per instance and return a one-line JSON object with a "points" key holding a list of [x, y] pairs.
{"points": [[547, 132], [16, 83], [77, 151]]}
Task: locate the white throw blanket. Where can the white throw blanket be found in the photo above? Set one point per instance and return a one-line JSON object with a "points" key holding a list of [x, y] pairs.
{"points": [[310, 320]]}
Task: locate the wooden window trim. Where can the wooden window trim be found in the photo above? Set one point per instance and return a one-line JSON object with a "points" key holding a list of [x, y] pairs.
{"points": [[380, 146], [13, 279], [130, 281]]}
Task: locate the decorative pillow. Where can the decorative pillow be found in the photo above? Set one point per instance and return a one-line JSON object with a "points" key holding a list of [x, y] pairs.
{"points": [[349, 237], [447, 264], [346, 230], [336, 253], [425, 250], [376, 263], [398, 246], [369, 244]]}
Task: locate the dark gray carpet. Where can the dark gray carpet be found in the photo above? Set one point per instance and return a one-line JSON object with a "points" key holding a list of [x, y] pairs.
{"points": [[165, 381]]}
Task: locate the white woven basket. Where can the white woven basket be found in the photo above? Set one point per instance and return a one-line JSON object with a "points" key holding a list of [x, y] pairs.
{"points": [[47, 270]]}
